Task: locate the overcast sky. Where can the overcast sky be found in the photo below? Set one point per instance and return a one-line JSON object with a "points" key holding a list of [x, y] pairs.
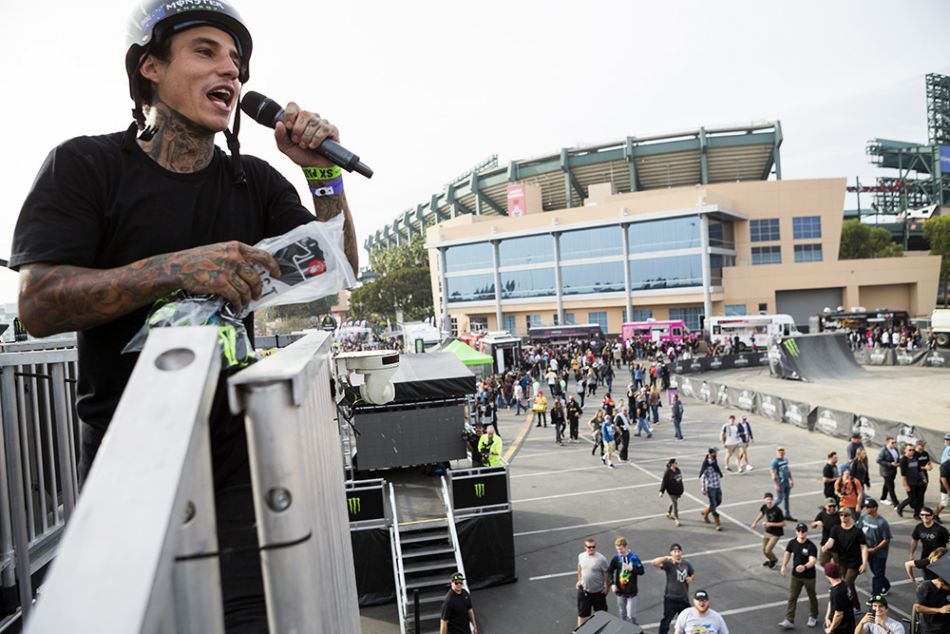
{"points": [[422, 91]]}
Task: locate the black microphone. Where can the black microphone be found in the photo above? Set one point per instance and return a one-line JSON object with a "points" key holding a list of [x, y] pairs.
{"points": [[268, 112]]}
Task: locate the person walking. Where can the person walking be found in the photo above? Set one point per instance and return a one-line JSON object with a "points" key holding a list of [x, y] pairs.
{"points": [[672, 485], [540, 409], [849, 491], [783, 481], [593, 581], [595, 436], [558, 419], [826, 519], [677, 415], [910, 480], [580, 387], [573, 417], [518, 391], [839, 617], [457, 612], [729, 437], [830, 475], [773, 528], [608, 436], [888, 460], [700, 618], [877, 534], [642, 413], [928, 534], [933, 606], [745, 439], [622, 424], [852, 548], [655, 403], [710, 478], [803, 555], [861, 472], [679, 574], [624, 569]]}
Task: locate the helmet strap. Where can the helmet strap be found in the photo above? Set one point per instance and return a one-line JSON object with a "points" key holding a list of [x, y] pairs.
{"points": [[234, 146]]}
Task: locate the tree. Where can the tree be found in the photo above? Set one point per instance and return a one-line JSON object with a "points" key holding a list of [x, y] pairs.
{"points": [[937, 233], [859, 240], [402, 284]]}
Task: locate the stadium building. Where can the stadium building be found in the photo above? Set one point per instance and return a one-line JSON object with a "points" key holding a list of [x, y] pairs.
{"points": [[669, 227]]}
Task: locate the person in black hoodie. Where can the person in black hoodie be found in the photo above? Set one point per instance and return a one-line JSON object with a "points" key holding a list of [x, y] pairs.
{"points": [[710, 477], [672, 485]]}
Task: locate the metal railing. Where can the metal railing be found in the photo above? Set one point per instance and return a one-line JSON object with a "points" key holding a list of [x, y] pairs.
{"points": [[140, 552], [38, 474], [402, 600], [450, 516]]}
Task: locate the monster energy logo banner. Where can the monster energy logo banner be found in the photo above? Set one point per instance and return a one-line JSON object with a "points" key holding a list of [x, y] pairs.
{"points": [[365, 504], [484, 489], [791, 346]]}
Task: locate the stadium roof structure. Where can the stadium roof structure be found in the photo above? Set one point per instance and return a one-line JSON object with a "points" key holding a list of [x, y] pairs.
{"points": [[693, 157]]}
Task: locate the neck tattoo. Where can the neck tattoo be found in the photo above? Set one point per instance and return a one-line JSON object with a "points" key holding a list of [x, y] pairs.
{"points": [[179, 145]]}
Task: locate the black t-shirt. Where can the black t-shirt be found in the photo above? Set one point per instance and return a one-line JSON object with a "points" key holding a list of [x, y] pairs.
{"points": [[930, 538], [828, 520], [931, 596], [841, 602], [800, 554], [848, 546], [97, 205], [922, 564], [830, 471], [773, 514], [910, 469], [455, 609], [944, 473]]}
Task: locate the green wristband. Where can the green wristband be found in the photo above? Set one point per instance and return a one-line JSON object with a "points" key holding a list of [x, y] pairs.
{"points": [[322, 173]]}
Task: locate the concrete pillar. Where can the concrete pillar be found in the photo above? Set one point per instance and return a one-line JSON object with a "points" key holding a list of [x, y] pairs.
{"points": [[707, 272], [627, 282], [443, 280], [495, 264], [556, 237]]}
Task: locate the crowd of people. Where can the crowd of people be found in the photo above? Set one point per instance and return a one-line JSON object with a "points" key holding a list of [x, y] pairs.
{"points": [[847, 538]]}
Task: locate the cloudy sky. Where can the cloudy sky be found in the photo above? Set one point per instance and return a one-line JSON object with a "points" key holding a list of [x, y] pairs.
{"points": [[423, 90]]}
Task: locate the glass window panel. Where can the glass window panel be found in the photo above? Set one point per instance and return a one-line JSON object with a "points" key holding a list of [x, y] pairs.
{"points": [[509, 322], [808, 252], [672, 272], [468, 257], [533, 283], [721, 234], [689, 315], [471, 288], [766, 255], [591, 243], [569, 318], [764, 230], [664, 235], [602, 277], [598, 317], [806, 227], [735, 309], [527, 250], [642, 314]]}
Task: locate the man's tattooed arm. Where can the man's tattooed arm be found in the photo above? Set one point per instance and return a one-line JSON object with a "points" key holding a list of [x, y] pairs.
{"points": [[327, 207], [61, 298]]}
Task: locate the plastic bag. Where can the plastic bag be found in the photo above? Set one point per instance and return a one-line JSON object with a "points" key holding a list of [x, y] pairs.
{"points": [[312, 266]]}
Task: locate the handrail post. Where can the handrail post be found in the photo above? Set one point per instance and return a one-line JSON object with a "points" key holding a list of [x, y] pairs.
{"points": [[298, 488]]}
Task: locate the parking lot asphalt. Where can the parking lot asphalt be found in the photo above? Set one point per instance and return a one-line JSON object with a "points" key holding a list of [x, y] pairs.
{"points": [[562, 495]]}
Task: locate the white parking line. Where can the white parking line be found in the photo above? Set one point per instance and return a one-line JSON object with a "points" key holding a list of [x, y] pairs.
{"points": [[587, 493]]}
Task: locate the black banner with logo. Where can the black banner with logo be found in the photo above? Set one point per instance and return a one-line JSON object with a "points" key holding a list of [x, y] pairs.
{"points": [[373, 563], [834, 422], [798, 413], [937, 359], [770, 406], [486, 489], [910, 357], [743, 399], [880, 356]]}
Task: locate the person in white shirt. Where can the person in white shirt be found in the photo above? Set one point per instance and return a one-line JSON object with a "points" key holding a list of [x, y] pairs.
{"points": [[876, 620], [729, 436], [700, 619]]}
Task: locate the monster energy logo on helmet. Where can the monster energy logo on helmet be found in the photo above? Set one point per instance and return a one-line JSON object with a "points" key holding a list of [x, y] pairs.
{"points": [[792, 347]]}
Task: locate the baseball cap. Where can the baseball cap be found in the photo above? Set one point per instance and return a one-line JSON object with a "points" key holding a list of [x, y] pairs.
{"points": [[946, 436], [802, 526], [871, 502], [701, 594], [846, 511], [831, 502], [458, 576], [877, 598]]}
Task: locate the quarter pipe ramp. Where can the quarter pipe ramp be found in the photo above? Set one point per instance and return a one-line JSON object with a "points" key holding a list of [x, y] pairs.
{"points": [[814, 358]]}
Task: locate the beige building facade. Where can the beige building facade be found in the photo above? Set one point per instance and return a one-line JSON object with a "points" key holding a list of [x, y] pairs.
{"points": [[678, 253]]}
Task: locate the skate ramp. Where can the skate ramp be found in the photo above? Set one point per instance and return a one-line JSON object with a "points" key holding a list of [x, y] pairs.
{"points": [[814, 358]]}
